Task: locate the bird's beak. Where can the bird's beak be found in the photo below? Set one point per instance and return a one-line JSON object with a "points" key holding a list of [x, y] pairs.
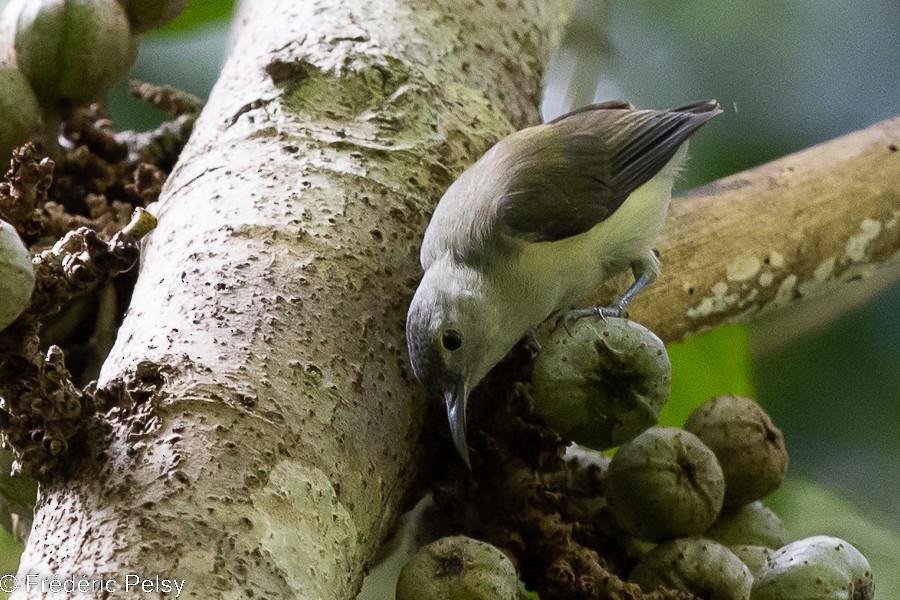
{"points": [[455, 399]]}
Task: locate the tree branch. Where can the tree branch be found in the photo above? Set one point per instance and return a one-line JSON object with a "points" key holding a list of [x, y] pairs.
{"points": [[795, 228]]}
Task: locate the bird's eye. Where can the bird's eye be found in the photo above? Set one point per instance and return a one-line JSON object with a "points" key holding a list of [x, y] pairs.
{"points": [[451, 340]]}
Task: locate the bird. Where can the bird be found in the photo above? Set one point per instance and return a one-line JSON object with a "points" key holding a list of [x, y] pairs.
{"points": [[538, 223]]}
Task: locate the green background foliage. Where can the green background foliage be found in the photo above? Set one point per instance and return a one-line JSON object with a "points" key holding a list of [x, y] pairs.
{"points": [[198, 14]]}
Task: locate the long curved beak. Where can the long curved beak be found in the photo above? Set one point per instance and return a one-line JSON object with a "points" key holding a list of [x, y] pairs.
{"points": [[455, 399]]}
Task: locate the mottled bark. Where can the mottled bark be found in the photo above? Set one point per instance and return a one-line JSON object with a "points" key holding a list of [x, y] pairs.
{"points": [[266, 417]]}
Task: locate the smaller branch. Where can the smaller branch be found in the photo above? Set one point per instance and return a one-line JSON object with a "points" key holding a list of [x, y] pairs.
{"points": [[792, 229], [142, 223], [166, 98], [161, 146], [23, 189], [81, 260]]}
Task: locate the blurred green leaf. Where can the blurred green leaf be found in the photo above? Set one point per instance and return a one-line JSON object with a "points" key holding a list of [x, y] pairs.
{"points": [[808, 509], [715, 363], [834, 393], [10, 551], [198, 12], [527, 594]]}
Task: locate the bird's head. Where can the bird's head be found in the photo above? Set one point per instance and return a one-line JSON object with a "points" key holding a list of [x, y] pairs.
{"points": [[454, 337]]}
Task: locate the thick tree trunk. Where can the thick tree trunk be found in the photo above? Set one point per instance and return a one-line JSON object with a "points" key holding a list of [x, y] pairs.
{"points": [[267, 417]]}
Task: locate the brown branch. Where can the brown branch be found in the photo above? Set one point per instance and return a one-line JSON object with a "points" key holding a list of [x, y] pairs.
{"points": [[789, 230]]}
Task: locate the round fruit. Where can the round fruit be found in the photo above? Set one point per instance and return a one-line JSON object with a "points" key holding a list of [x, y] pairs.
{"points": [[458, 568], [71, 51], [700, 566], [16, 275], [752, 524], [816, 568], [664, 484], [755, 557], [749, 446], [19, 111], [600, 382]]}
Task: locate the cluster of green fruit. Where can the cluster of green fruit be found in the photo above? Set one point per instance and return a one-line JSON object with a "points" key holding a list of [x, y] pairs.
{"points": [[58, 54], [687, 501], [694, 492]]}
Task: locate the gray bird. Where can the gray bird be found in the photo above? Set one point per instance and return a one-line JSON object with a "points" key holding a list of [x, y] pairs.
{"points": [[536, 225]]}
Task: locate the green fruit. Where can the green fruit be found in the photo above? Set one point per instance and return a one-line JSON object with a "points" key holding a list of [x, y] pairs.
{"points": [[664, 484], [700, 566], [19, 111], [755, 557], [16, 275], [458, 568], [71, 51], [752, 524], [816, 568], [601, 382], [145, 15], [749, 446]]}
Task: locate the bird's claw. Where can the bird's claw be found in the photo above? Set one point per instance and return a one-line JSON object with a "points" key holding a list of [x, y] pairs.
{"points": [[567, 318], [531, 342]]}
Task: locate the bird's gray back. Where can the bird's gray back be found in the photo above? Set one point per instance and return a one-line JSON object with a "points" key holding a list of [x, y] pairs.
{"points": [[557, 180], [590, 161], [464, 222]]}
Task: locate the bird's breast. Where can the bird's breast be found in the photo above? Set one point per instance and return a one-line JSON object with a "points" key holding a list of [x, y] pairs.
{"points": [[569, 270]]}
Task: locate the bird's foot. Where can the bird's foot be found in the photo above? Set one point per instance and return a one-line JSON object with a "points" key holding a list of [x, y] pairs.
{"points": [[531, 342], [616, 311]]}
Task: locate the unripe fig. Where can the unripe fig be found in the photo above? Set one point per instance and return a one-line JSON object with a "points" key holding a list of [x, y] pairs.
{"points": [[755, 557], [601, 382], [19, 111], [16, 275], [71, 51], [458, 568], [664, 484], [816, 568], [749, 446], [703, 567], [145, 15], [752, 524]]}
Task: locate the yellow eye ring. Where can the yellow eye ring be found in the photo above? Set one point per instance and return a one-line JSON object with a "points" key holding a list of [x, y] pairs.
{"points": [[451, 340]]}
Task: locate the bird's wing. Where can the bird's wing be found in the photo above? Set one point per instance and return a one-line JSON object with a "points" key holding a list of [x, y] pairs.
{"points": [[575, 171]]}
